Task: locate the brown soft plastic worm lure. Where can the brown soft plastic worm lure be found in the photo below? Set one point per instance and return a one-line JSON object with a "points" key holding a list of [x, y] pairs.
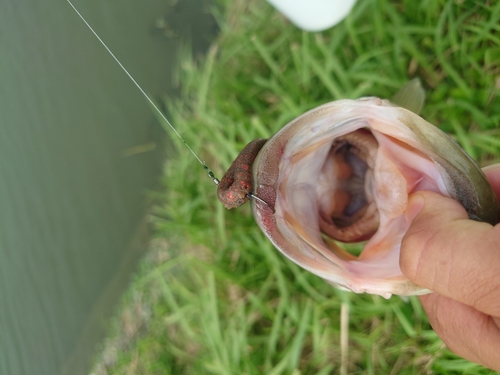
{"points": [[235, 188]]}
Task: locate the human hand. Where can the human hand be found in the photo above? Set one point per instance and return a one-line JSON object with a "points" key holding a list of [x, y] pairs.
{"points": [[459, 260]]}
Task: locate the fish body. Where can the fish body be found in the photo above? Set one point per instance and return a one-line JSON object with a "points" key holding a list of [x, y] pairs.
{"points": [[343, 172]]}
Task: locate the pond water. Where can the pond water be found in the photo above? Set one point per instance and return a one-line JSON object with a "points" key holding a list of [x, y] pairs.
{"points": [[79, 149]]}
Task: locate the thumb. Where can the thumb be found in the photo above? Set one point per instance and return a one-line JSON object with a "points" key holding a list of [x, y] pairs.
{"points": [[451, 255]]}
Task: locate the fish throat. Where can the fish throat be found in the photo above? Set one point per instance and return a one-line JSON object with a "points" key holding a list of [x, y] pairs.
{"points": [[346, 208]]}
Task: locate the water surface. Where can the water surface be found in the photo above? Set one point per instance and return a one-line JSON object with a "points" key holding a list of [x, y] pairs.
{"points": [[73, 186]]}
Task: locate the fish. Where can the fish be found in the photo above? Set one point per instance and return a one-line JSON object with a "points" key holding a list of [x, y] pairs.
{"points": [[342, 173]]}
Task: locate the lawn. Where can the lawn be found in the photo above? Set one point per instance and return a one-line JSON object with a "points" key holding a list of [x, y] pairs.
{"points": [[213, 296]]}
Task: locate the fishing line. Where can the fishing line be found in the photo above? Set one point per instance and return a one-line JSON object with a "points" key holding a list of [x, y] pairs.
{"points": [[205, 167], [215, 180]]}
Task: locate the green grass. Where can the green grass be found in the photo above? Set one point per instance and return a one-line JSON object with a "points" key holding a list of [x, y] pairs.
{"points": [[213, 296]]}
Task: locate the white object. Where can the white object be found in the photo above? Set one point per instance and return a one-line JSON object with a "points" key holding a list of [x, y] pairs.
{"points": [[314, 15]]}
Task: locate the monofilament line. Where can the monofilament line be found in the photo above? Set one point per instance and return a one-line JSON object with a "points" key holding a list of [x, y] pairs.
{"points": [[210, 173]]}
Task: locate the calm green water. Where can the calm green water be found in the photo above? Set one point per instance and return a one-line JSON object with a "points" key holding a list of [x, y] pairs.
{"points": [[72, 186]]}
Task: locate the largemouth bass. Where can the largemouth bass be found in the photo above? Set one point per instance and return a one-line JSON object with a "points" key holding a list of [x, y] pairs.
{"points": [[343, 172]]}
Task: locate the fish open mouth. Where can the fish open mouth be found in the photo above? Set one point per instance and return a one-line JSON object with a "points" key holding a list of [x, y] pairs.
{"points": [[345, 187], [343, 172]]}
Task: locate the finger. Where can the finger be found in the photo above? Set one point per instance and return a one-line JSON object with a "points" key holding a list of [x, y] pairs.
{"points": [[492, 173], [467, 332], [451, 255]]}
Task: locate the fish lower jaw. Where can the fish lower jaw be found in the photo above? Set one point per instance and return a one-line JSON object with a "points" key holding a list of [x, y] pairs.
{"points": [[382, 288]]}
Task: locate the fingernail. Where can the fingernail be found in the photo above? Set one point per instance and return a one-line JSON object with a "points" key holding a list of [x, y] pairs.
{"points": [[491, 167], [415, 205]]}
